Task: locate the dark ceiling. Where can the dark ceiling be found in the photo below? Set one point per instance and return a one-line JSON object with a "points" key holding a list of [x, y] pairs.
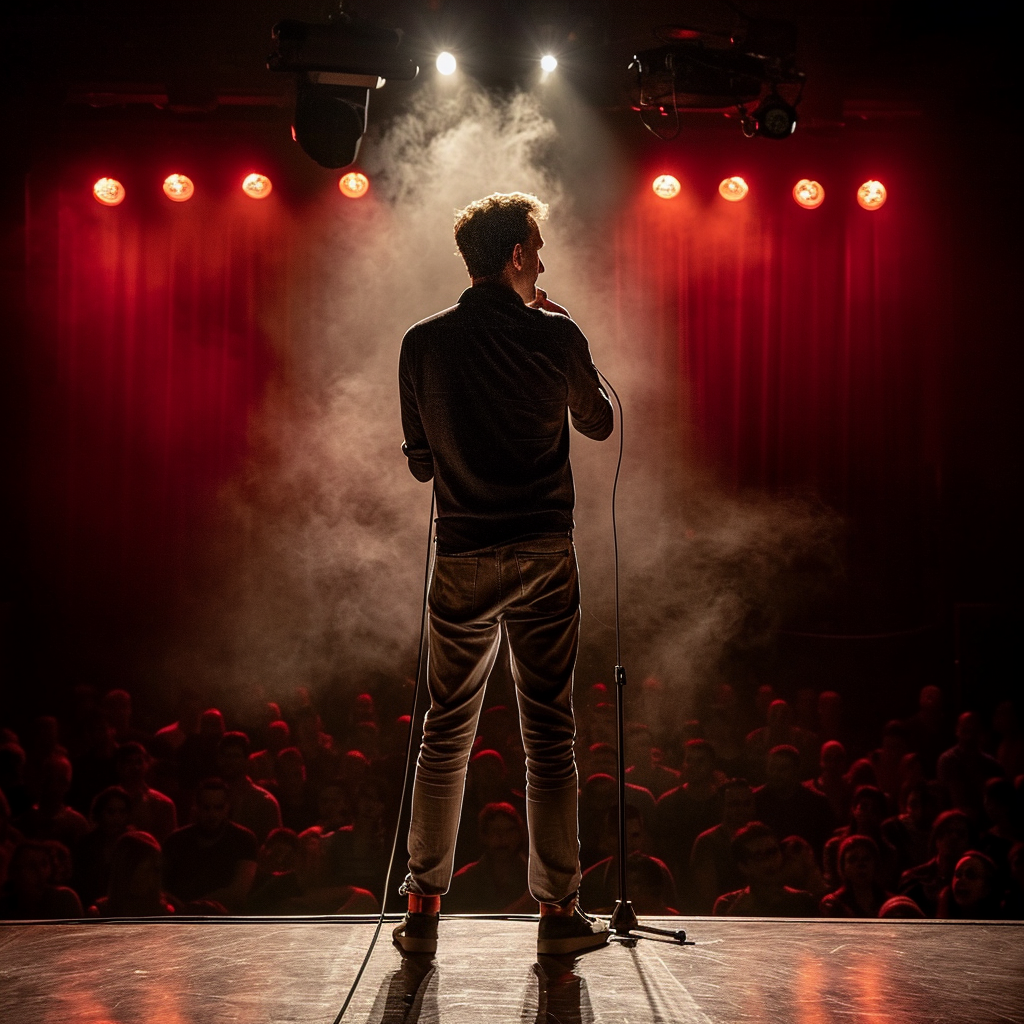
{"points": [[863, 58]]}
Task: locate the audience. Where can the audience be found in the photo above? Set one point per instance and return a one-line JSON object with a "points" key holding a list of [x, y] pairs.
{"points": [[860, 894], [495, 883], [213, 859], [135, 889], [759, 855], [929, 806]]}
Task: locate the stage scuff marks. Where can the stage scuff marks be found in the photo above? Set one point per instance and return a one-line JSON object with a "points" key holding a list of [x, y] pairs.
{"points": [[281, 971]]}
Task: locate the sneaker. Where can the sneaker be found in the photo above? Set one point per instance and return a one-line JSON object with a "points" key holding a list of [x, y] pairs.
{"points": [[561, 934], [417, 933]]}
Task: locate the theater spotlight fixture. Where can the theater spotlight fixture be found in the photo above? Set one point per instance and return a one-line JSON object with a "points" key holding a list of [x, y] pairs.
{"points": [[548, 63], [108, 191], [336, 65], [734, 189], [808, 194], [446, 63], [697, 71], [871, 195], [665, 186], [257, 186], [775, 118], [353, 185], [178, 188]]}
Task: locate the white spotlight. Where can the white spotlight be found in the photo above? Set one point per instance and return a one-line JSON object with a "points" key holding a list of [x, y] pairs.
{"points": [[548, 63], [446, 63]]}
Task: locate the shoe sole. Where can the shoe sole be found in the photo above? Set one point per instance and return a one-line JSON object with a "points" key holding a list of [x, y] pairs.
{"points": [[408, 944], [415, 945]]}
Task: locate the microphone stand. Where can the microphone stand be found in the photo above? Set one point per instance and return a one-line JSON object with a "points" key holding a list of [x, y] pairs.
{"points": [[624, 923]]}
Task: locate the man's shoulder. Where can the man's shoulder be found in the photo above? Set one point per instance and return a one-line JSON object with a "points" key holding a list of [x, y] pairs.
{"points": [[435, 321]]}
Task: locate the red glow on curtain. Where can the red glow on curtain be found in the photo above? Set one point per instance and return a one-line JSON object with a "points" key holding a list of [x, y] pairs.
{"points": [[806, 348], [150, 356]]}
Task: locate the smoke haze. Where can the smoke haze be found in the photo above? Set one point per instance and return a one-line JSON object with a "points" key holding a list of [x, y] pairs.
{"points": [[323, 539]]}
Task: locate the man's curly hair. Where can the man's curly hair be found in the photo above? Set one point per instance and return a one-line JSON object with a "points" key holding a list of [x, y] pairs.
{"points": [[488, 230]]}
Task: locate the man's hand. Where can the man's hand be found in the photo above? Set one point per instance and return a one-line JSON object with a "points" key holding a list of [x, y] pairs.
{"points": [[543, 302]]}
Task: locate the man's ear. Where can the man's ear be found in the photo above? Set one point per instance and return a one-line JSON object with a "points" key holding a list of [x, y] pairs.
{"points": [[517, 256]]}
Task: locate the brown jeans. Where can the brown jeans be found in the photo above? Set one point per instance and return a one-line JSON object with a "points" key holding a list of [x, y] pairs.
{"points": [[530, 589]]}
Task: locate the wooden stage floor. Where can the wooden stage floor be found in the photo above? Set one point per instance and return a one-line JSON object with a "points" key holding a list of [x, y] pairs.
{"points": [[278, 971]]}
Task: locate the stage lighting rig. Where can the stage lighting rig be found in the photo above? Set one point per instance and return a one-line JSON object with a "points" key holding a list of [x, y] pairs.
{"points": [[696, 70], [335, 66]]}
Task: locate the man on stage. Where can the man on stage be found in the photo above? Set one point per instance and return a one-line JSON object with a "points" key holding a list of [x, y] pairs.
{"points": [[485, 389]]}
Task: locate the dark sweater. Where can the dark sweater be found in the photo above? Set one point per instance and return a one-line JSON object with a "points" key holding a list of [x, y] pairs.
{"points": [[485, 388]]}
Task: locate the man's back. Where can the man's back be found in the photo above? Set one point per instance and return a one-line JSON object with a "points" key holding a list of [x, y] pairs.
{"points": [[484, 386]]}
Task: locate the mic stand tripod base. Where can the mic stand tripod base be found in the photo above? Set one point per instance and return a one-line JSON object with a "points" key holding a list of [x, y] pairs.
{"points": [[624, 924]]}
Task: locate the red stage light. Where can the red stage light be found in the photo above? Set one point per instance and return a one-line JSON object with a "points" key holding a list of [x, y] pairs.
{"points": [[809, 194], [665, 186], [178, 187], [871, 195], [257, 186], [354, 185], [108, 191], [734, 189]]}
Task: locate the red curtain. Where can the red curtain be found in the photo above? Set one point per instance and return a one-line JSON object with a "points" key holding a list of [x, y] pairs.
{"points": [[793, 349]]}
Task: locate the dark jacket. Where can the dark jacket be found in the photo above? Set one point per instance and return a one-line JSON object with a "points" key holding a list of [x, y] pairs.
{"points": [[485, 387]]}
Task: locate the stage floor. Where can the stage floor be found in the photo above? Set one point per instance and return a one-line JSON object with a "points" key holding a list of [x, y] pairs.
{"points": [[486, 972]]}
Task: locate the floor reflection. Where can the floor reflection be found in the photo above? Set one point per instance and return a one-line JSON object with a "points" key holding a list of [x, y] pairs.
{"points": [[562, 996], [409, 994]]}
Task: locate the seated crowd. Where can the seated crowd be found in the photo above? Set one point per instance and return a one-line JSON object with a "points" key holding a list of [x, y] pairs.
{"points": [[770, 809]]}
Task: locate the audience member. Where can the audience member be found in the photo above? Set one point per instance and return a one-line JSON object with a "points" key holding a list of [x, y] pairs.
{"points": [[949, 841], [134, 889], [598, 796], [869, 810], [888, 760], [644, 762], [860, 894], [724, 730], [93, 852], [759, 856], [780, 730], [831, 782], [928, 730], [263, 763], [1010, 736], [974, 891], [294, 795], [713, 868], [1000, 803], [251, 805], [171, 738], [901, 908], [683, 813], [599, 887], [909, 831], [357, 854], [497, 882], [965, 768], [213, 859], [151, 811], [789, 807], [12, 779], [116, 708], [50, 817], [30, 893], [799, 868]]}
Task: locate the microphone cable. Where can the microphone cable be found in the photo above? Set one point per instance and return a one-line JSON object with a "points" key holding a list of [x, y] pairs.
{"points": [[427, 574]]}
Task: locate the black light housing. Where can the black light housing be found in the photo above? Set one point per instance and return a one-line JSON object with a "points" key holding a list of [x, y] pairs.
{"points": [[775, 118], [336, 65]]}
